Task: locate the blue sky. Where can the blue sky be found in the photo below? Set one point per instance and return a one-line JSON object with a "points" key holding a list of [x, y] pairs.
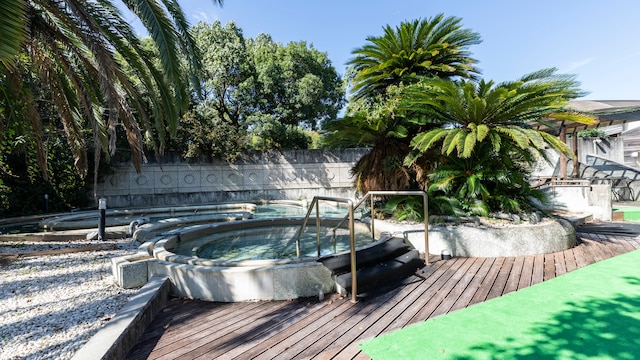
{"points": [[599, 41]]}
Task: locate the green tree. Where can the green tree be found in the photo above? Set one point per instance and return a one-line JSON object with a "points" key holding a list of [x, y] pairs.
{"points": [[71, 47], [298, 85], [271, 134], [486, 136], [217, 124], [406, 54], [259, 93], [432, 47], [229, 76], [378, 124]]}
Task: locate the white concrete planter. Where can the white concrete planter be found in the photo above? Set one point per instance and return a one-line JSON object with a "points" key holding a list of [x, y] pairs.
{"points": [[482, 241]]}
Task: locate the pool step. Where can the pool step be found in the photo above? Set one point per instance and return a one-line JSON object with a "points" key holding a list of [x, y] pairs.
{"points": [[341, 263], [384, 265], [383, 275]]}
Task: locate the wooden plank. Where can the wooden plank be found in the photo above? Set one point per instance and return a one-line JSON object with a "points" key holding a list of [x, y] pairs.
{"points": [[570, 259], [361, 356], [583, 254], [68, 250], [296, 345], [413, 302], [597, 249], [336, 336], [441, 304], [607, 246], [209, 312], [540, 262], [175, 316], [514, 275], [489, 279], [560, 267], [465, 286], [622, 245], [443, 290], [369, 329], [501, 280], [296, 332], [527, 272], [201, 333], [416, 300], [625, 244], [363, 328], [475, 285], [267, 330], [634, 241], [328, 354], [350, 325], [175, 336]]}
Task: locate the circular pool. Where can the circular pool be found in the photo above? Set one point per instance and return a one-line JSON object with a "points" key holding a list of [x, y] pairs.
{"points": [[259, 260]]}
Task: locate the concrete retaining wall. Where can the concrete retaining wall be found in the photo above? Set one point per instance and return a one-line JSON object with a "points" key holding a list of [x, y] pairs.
{"points": [[295, 174], [482, 241]]}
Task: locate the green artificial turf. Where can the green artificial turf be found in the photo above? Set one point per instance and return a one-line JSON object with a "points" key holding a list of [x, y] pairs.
{"points": [[631, 214], [590, 313]]}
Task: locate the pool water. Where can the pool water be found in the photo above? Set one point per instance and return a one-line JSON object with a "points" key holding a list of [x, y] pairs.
{"points": [[280, 211], [274, 242]]}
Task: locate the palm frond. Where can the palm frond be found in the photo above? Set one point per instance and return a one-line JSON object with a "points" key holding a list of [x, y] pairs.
{"points": [[13, 27], [469, 144], [433, 47]]}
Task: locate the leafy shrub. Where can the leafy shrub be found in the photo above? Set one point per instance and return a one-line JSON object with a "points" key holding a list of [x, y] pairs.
{"points": [[592, 133]]}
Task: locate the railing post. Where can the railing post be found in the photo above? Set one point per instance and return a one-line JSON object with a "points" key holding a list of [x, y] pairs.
{"points": [[352, 240], [425, 203], [318, 225], [304, 224], [102, 207], [373, 235]]}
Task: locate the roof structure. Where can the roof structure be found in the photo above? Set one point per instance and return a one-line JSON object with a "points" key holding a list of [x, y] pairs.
{"points": [[608, 112]]}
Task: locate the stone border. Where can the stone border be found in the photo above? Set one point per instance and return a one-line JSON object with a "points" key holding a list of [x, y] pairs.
{"points": [[122, 332]]}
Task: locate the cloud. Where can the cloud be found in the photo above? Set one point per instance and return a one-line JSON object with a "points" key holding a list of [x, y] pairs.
{"points": [[200, 15], [576, 64]]}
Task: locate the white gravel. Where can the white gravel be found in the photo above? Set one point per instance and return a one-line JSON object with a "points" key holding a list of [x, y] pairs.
{"points": [[51, 305]]}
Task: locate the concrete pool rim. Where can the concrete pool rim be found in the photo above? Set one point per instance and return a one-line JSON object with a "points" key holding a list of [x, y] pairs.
{"points": [[230, 281]]}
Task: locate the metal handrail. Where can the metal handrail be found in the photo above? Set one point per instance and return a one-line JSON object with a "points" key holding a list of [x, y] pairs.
{"points": [[352, 238], [350, 202], [371, 195]]}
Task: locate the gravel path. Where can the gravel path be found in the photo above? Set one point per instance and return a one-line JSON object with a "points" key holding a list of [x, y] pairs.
{"points": [[51, 305]]}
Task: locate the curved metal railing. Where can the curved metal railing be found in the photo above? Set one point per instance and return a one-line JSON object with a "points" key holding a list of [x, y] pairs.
{"points": [[370, 195]]}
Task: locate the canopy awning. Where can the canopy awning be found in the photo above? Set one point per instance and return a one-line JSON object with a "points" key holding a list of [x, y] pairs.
{"points": [[608, 112]]}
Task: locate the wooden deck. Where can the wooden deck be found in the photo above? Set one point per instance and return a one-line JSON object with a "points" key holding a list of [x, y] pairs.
{"points": [[332, 328]]}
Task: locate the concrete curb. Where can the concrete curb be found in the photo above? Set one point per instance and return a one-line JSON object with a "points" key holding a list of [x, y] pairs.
{"points": [[482, 241], [120, 334]]}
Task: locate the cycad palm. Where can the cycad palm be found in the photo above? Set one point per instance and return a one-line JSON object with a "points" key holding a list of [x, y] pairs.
{"points": [[487, 134], [78, 48], [424, 48], [433, 47], [502, 115]]}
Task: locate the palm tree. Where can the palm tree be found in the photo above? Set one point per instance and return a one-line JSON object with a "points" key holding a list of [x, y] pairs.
{"points": [[78, 49], [432, 47], [486, 135], [415, 50], [373, 124]]}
